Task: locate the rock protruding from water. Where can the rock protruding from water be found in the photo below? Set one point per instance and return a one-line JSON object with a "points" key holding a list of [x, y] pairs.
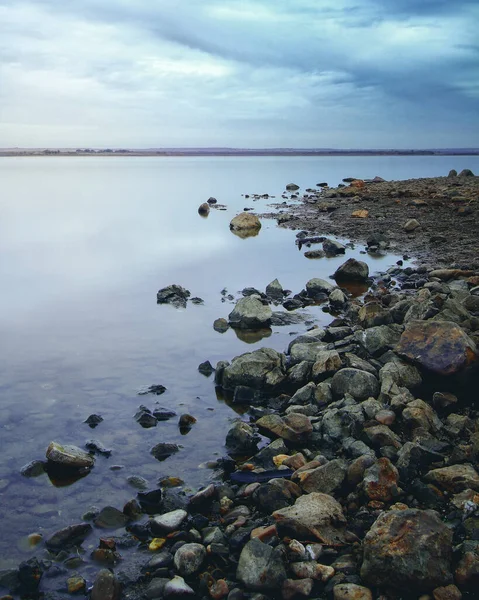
{"points": [[173, 294], [250, 313], [292, 187], [442, 347], [352, 270], [262, 369], [409, 550], [245, 221], [204, 209], [66, 538], [69, 457]]}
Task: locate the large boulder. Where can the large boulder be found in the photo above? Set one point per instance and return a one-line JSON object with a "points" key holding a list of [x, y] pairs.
{"points": [[408, 550], [313, 516], [245, 221], [352, 270], [250, 313], [359, 384], [438, 346], [261, 567], [262, 369]]}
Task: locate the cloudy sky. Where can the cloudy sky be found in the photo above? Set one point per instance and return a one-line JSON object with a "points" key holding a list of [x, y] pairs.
{"points": [[239, 73]]}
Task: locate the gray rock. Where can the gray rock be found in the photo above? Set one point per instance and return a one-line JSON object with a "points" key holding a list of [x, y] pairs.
{"points": [[352, 270], [326, 479], [167, 522], [299, 374], [69, 456], [174, 295], [292, 187], [359, 384], [250, 313], [65, 538], [466, 173], [110, 518], [327, 362], [163, 450], [241, 438], [411, 225], [274, 290], [189, 558], [106, 586], [306, 352], [333, 248], [261, 369], [245, 221], [177, 588], [317, 286], [337, 299], [409, 550], [398, 373], [381, 435], [221, 325], [261, 567], [377, 340]]}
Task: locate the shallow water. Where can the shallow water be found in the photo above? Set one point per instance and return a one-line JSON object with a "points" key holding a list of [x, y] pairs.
{"points": [[85, 243]]}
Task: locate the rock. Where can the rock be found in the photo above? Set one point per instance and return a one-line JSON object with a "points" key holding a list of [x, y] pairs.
{"points": [[168, 522], [377, 340], [352, 270], [67, 456], [438, 346], [186, 422], [189, 558], [359, 384], [315, 254], [452, 173], [173, 294], [29, 575], [455, 478], [327, 362], [292, 187], [241, 438], [262, 369], [261, 567], [381, 435], [212, 200], [163, 450], [206, 368], [177, 588], [409, 550], [65, 538], [411, 225], [93, 420], [381, 481], [326, 479], [250, 313], [397, 374], [292, 588], [333, 248], [360, 214], [144, 417], [245, 221], [97, 447], [274, 290], [467, 572], [221, 325], [140, 483], [204, 209], [313, 516], [294, 427], [33, 469], [449, 592], [351, 591], [315, 287], [75, 584], [466, 173], [219, 589], [418, 414], [337, 299], [110, 518]]}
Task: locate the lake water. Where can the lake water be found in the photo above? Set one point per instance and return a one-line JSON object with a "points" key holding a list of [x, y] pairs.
{"points": [[85, 243]]}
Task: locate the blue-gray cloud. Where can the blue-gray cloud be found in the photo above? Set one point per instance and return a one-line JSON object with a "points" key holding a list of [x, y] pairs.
{"points": [[239, 73]]}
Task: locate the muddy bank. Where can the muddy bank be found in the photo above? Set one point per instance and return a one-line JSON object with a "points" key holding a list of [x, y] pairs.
{"points": [[446, 210]]}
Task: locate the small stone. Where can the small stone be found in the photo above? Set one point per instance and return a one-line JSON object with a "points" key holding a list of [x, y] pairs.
{"points": [[296, 587], [93, 420], [219, 589], [411, 225], [449, 592], [167, 522], [156, 544], [75, 584], [110, 518], [163, 450], [260, 567], [206, 368], [221, 325], [360, 214], [177, 587], [351, 591]]}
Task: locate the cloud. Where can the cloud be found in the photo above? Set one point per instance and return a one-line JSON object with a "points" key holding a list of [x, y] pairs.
{"points": [[239, 73]]}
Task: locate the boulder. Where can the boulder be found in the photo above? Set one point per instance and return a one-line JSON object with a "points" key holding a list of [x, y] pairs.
{"points": [[352, 270], [73, 535], [452, 173], [250, 313], [274, 290], [438, 346], [313, 516], [67, 456], [408, 550], [245, 221], [317, 286], [466, 173], [261, 567], [359, 384], [262, 369], [333, 248]]}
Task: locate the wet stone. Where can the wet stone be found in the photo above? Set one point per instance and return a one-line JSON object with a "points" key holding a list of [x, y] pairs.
{"points": [[189, 558], [68, 456], [163, 450], [110, 518], [74, 535]]}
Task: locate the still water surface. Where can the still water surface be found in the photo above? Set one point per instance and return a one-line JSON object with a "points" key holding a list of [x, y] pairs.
{"points": [[85, 243]]}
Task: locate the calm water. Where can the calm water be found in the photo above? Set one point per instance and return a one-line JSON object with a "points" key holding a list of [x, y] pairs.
{"points": [[85, 243]]}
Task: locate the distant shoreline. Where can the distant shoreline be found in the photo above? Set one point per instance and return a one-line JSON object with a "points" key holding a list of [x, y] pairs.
{"points": [[47, 152]]}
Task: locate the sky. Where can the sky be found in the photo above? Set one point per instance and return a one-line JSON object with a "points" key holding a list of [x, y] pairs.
{"points": [[239, 73]]}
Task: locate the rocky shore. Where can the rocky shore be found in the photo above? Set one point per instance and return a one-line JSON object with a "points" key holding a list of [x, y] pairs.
{"points": [[353, 472]]}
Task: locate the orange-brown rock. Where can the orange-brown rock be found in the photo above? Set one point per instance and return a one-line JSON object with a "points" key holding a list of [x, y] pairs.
{"points": [[438, 346], [358, 183], [381, 481], [362, 213]]}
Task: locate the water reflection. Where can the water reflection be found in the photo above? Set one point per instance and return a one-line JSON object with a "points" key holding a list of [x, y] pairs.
{"points": [[252, 336]]}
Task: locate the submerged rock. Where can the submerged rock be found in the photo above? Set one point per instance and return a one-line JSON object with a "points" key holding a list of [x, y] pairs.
{"points": [[106, 586], [74, 535], [163, 450]]}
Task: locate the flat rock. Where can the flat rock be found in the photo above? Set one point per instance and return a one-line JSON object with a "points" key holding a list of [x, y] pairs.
{"points": [[295, 427], [438, 346], [408, 550], [313, 516], [106, 586], [70, 536], [69, 456], [110, 518]]}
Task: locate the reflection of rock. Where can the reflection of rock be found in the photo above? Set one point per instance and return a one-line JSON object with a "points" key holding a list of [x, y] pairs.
{"points": [[204, 209], [62, 477], [251, 336], [245, 233], [245, 224]]}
